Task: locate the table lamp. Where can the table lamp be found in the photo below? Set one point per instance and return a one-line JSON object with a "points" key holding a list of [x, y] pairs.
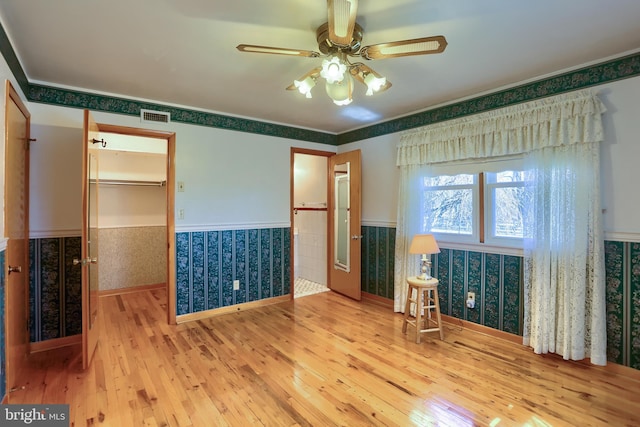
{"points": [[424, 244]]}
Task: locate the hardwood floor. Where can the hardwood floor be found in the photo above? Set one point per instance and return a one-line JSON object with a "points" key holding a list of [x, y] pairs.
{"points": [[319, 361]]}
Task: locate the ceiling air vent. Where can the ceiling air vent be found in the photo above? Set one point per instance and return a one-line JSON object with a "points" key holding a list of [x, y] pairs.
{"points": [[150, 116]]}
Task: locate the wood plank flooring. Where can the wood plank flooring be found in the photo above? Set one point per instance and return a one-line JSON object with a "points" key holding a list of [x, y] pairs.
{"points": [[321, 360]]}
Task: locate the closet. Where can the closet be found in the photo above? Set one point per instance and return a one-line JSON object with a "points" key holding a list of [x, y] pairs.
{"points": [[132, 212]]}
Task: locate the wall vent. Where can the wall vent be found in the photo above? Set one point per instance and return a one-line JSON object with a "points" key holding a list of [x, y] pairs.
{"points": [[150, 116]]}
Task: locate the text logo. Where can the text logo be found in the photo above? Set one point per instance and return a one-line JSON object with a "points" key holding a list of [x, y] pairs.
{"points": [[34, 415]]}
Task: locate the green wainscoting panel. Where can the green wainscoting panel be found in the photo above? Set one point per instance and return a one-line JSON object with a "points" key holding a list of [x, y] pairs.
{"points": [[496, 281], [442, 270], [456, 285], [634, 305], [474, 284], [492, 307], [614, 264], [378, 247], [512, 285], [208, 262], [55, 296]]}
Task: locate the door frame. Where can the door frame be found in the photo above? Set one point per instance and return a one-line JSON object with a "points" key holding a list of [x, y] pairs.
{"points": [[319, 153], [170, 137]]}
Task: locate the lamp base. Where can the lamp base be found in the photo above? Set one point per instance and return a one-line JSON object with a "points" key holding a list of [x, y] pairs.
{"points": [[425, 268]]}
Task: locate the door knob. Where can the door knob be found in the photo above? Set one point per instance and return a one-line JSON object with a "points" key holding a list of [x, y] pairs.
{"points": [[17, 269], [356, 237], [85, 261]]}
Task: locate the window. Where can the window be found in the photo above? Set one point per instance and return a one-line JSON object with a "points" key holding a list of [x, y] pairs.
{"points": [[484, 208], [506, 198], [450, 206]]}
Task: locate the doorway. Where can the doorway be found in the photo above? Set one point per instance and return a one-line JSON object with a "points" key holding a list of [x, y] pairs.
{"points": [[160, 146], [309, 221], [132, 213]]}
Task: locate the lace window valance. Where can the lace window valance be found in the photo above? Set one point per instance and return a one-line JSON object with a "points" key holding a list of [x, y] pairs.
{"points": [[560, 120]]}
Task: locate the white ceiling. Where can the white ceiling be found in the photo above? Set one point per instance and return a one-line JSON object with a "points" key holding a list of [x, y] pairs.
{"points": [[183, 52]]}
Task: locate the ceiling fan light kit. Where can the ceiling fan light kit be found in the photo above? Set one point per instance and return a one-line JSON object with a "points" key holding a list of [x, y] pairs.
{"points": [[340, 38]]}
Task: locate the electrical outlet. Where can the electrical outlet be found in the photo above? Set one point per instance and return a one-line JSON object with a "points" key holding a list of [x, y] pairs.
{"points": [[236, 285], [180, 213], [471, 300]]}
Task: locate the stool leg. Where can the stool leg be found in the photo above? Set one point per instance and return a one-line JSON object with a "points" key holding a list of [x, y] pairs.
{"points": [[407, 309], [419, 308], [437, 302]]}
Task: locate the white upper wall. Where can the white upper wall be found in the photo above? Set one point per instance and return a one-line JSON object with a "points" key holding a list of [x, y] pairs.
{"points": [[231, 179], [620, 157], [379, 179]]}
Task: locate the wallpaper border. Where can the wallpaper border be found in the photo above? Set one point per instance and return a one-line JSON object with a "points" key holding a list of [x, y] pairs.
{"points": [[604, 72]]}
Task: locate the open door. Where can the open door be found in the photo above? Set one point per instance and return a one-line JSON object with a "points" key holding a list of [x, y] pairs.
{"points": [[89, 261], [16, 226], [344, 224]]}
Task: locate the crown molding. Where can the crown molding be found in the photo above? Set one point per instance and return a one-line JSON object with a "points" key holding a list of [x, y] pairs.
{"points": [[593, 75]]}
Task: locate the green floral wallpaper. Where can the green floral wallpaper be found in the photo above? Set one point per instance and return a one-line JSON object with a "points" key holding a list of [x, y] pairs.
{"points": [[497, 281], [623, 302], [55, 288]]}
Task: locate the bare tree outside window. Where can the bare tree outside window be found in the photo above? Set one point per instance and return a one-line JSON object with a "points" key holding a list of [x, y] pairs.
{"points": [[448, 204], [450, 209]]}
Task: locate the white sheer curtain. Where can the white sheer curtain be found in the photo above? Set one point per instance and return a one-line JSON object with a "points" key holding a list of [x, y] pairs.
{"points": [[409, 221], [564, 298], [564, 280]]}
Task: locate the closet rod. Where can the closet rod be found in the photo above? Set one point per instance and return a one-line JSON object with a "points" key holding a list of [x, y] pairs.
{"points": [[129, 182]]}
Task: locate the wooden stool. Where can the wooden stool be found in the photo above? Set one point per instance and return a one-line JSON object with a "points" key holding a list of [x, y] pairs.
{"points": [[426, 299]]}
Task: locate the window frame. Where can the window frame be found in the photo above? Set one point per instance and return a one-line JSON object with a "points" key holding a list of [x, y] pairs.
{"points": [[489, 214], [483, 196], [475, 220]]}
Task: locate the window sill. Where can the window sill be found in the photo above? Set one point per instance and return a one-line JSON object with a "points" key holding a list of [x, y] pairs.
{"points": [[481, 247]]}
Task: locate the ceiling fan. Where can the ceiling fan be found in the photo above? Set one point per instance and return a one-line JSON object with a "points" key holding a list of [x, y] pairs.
{"points": [[340, 38]]}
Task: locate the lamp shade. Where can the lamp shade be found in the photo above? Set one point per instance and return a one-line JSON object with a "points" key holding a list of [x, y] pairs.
{"points": [[424, 244]]}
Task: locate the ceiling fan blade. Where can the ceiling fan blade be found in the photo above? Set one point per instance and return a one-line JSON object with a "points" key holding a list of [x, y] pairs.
{"points": [[342, 20], [421, 46], [277, 50]]}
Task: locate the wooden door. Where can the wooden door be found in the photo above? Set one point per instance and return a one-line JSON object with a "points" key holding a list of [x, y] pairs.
{"points": [[17, 122], [344, 223], [89, 261]]}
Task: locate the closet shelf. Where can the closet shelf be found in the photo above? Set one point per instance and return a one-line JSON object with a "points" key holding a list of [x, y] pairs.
{"points": [[130, 182]]}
